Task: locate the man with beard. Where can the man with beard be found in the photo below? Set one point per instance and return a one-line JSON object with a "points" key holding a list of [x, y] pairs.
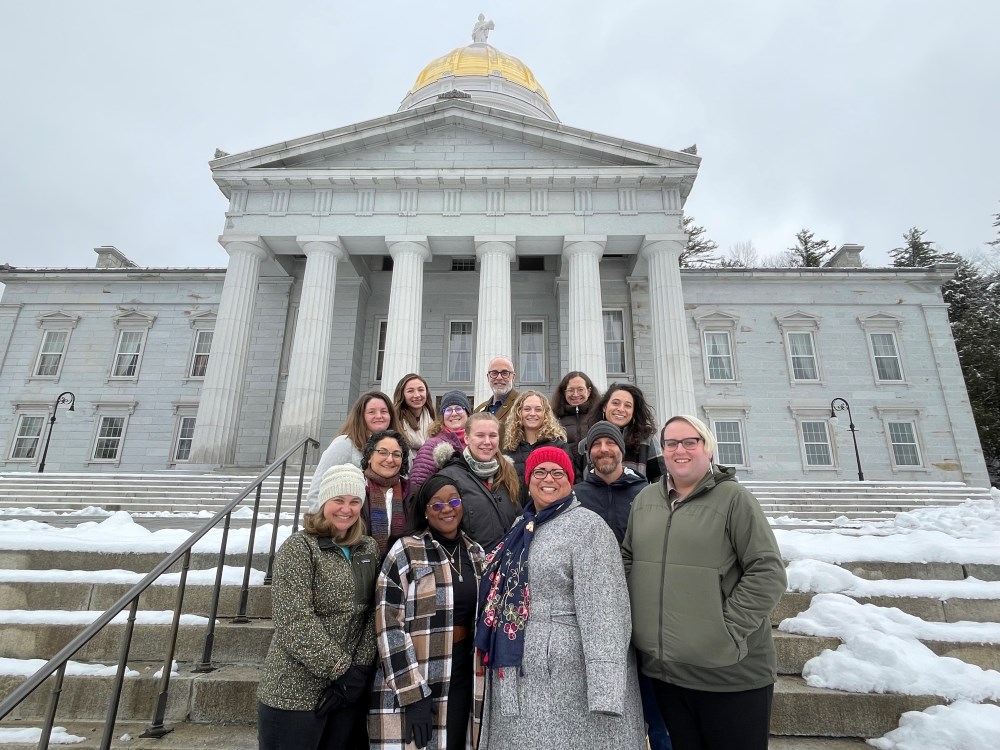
{"points": [[500, 375], [608, 489]]}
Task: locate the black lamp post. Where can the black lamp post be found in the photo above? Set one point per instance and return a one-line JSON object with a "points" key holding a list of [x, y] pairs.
{"points": [[66, 397], [840, 404]]}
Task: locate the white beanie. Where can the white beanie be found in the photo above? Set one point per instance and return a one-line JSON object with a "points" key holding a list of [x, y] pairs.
{"points": [[337, 481]]}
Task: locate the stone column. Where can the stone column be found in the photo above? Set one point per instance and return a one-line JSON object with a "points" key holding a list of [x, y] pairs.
{"points": [[671, 355], [406, 301], [493, 338], [586, 324], [309, 363], [218, 416]]}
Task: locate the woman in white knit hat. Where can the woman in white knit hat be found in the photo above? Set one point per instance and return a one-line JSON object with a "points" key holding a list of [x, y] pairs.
{"points": [[315, 685]]}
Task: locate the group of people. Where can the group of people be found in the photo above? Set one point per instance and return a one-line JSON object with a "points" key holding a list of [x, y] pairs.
{"points": [[527, 573]]}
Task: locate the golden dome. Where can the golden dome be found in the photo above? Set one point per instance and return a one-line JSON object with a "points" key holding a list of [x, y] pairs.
{"points": [[479, 60]]}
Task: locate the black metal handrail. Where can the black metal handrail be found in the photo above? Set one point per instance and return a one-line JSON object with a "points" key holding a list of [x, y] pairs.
{"points": [[130, 600]]}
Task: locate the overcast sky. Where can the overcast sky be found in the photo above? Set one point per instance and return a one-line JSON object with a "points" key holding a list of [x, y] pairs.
{"points": [[856, 118]]}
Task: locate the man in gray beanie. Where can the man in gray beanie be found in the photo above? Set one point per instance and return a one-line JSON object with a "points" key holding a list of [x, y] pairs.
{"points": [[608, 487]]}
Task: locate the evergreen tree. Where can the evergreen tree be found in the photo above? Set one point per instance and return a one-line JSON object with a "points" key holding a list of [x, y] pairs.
{"points": [[974, 311], [916, 253], [996, 225], [699, 251], [809, 252]]}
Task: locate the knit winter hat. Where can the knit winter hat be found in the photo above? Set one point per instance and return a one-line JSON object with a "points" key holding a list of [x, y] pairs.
{"points": [[599, 430], [549, 454], [455, 398], [339, 480]]}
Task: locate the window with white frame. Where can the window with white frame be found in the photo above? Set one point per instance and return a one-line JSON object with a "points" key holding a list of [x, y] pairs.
{"points": [[886, 356], [108, 442], [184, 439], [51, 353], [381, 327], [27, 437], [882, 331], [799, 329], [717, 336], [531, 352], [903, 439], [126, 364], [718, 355], [802, 353], [816, 442], [614, 341], [460, 351], [729, 440], [200, 352]]}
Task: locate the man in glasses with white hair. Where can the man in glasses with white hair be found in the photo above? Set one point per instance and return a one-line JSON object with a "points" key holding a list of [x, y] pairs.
{"points": [[500, 375]]}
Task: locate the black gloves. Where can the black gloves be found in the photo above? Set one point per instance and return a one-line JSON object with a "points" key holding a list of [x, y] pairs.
{"points": [[346, 689], [354, 682], [417, 722]]}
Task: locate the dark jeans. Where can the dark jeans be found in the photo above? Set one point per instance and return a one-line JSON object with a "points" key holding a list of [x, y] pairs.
{"points": [[343, 729], [460, 694], [702, 720], [656, 728]]}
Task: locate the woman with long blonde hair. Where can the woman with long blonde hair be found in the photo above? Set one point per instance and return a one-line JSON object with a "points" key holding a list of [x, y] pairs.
{"points": [[531, 424]]}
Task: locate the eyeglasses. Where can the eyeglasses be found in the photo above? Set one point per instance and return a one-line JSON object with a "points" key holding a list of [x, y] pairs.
{"points": [[688, 443], [554, 473], [453, 503], [576, 390], [394, 455], [500, 373], [453, 410]]}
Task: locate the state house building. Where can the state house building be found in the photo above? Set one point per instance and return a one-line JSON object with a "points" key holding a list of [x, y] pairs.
{"points": [[470, 223]]}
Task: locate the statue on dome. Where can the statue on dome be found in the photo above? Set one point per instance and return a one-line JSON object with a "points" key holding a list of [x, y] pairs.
{"points": [[481, 31]]}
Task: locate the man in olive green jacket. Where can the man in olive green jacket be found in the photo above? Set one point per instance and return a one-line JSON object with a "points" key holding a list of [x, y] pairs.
{"points": [[704, 572]]}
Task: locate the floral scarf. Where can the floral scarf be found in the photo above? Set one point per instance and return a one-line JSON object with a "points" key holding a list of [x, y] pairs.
{"points": [[504, 594]]}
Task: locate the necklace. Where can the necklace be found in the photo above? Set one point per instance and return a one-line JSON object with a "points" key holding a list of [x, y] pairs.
{"points": [[454, 560]]}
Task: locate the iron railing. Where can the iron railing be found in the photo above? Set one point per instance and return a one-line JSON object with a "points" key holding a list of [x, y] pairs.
{"points": [[130, 599]]}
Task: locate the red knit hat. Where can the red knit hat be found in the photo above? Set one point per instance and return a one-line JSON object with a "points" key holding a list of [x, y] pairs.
{"points": [[548, 454]]}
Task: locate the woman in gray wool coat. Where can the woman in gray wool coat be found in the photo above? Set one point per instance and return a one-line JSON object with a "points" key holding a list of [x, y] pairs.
{"points": [[554, 626]]}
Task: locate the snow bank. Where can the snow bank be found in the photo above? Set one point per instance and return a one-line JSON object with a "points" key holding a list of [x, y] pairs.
{"points": [[85, 617], [231, 576], [821, 577], [31, 735], [960, 726], [841, 617], [119, 533], [27, 667]]}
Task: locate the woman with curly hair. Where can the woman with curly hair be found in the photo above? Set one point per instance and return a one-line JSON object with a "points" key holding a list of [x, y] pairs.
{"points": [[385, 462], [625, 406], [414, 408], [531, 424], [371, 412]]}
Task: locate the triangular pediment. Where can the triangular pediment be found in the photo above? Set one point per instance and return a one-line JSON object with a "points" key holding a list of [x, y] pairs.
{"points": [[454, 134]]}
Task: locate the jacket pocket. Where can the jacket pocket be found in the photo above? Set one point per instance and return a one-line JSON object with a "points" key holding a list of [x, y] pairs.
{"points": [[694, 628], [421, 594]]}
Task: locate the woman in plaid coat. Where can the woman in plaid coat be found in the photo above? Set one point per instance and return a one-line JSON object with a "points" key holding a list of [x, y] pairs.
{"points": [[426, 691]]}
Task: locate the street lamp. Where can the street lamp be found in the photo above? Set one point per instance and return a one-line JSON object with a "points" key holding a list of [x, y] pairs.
{"points": [[66, 397], [840, 404]]}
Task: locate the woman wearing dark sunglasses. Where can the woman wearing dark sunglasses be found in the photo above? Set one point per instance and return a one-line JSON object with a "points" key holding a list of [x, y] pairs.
{"points": [[425, 615]]}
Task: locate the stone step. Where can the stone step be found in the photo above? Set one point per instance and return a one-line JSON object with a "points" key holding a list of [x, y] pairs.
{"points": [[187, 736], [228, 696], [795, 650], [140, 562], [931, 610], [184, 736], [244, 643]]}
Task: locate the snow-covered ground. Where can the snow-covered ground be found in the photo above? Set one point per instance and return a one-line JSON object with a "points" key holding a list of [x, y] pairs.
{"points": [[881, 650]]}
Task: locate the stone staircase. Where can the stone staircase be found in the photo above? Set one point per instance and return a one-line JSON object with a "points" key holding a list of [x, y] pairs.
{"points": [[178, 491], [217, 709]]}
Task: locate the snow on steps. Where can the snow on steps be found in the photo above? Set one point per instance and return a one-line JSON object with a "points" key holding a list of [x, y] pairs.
{"points": [[228, 695], [174, 490]]}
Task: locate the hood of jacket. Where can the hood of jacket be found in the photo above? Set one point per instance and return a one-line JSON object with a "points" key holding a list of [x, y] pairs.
{"points": [[627, 479]]}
